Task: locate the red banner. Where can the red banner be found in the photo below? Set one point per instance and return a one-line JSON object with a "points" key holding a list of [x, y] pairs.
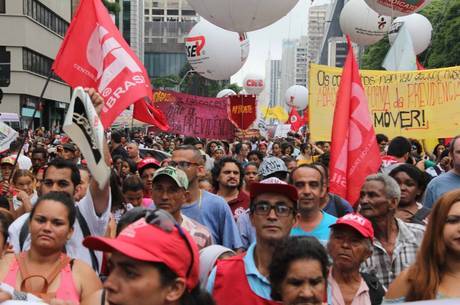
{"points": [[242, 110], [94, 54], [195, 116]]}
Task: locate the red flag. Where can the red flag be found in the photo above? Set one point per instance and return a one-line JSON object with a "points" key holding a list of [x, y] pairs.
{"points": [[419, 65], [242, 110], [295, 120], [147, 112], [355, 153], [94, 54]]}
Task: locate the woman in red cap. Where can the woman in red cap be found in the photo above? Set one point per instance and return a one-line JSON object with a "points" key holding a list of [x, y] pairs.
{"points": [[153, 262]]}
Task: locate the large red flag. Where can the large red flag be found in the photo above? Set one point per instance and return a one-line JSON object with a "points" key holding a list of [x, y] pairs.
{"points": [[147, 112], [295, 120], [94, 54], [355, 153]]}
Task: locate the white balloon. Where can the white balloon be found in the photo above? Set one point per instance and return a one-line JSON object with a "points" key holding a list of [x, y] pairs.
{"points": [[225, 93], [419, 28], [253, 84], [242, 15], [216, 53], [397, 8], [366, 29], [297, 96], [242, 92]]}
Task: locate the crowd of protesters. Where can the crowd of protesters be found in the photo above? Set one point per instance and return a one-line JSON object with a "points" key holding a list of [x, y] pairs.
{"points": [[193, 221]]}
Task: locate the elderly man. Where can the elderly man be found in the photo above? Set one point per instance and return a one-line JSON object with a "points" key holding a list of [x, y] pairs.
{"points": [[396, 242], [243, 279], [349, 246]]}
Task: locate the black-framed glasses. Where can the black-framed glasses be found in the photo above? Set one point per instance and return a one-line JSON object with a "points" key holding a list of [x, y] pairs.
{"points": [[164, 221], [264, 209], [182, 164]]}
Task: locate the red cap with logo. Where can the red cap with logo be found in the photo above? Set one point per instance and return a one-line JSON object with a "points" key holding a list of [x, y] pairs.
{"points": [[145, 242], [357, 222], [148, 162], [273, 185]]}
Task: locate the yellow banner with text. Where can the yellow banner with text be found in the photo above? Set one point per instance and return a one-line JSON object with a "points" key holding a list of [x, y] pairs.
{"points": [[415, 104]]}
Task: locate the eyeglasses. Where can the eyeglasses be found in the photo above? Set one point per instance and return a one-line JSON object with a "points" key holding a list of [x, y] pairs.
{"points": [[182, 164], [264, 209], [164, 221]]}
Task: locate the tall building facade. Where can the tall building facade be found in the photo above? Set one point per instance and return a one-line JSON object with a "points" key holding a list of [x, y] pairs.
{"points": [[316, 27], [136, 25], [273, 82], [301, 61], [167, 22], [32, 32], [288, 65]]}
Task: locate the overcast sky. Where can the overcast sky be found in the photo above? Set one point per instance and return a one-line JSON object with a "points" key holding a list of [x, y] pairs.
{"points": [[267, 42]]}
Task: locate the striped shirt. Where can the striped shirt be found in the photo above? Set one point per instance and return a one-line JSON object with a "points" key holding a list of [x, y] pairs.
{"points": [[387, 268]]}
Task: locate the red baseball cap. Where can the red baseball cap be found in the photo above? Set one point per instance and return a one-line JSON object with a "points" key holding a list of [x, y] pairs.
{"points": [[357, 222], [145, 242], [148, 162], [273, 185]]}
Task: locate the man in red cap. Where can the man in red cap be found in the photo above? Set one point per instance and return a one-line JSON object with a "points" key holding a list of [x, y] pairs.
{"points": [[349, 246], [243, 279], [153, 261]]}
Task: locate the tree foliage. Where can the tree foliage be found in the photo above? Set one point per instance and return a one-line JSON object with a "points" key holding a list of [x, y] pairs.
{"points": [[444, 15]]}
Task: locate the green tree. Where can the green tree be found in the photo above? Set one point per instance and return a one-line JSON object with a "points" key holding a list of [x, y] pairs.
{"points": [[166, 82], [444, 15]]}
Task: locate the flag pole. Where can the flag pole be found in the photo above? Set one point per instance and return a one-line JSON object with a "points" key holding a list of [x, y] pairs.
{"points": [[40, 99]]}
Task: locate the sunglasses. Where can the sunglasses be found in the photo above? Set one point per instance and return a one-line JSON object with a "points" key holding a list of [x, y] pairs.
{"points": [[164, 221]]}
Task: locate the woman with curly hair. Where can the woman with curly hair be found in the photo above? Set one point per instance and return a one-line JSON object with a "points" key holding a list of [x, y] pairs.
{"points": [[436, 271]]}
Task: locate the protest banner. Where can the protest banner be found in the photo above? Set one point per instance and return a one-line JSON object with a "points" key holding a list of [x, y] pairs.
{"points": [[7, 135], [83, 126], [195, 116], [416, 104], [282, 130], [242, 110]]}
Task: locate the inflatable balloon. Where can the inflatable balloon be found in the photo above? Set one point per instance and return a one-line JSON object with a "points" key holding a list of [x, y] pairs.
{"points": [[242, 15], [216, 53], [297, 96], [369, 28], [397, 8], [253, 84], [225, 93], [419, 28]]}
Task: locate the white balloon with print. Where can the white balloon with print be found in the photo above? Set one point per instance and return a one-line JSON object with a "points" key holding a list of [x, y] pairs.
{"points": [[254, 84], [396, 8], [419, 28], [215, 53], [297, 96], [242, 15], [366, 29]]}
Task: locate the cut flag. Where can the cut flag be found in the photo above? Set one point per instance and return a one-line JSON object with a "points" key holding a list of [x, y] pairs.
{"points": [[401, 56], [295, 120], [94, 54], [355, 153]]}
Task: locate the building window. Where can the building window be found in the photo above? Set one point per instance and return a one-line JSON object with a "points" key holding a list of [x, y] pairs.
{"points": [[2, 7], [37, 63], [44, 16]]}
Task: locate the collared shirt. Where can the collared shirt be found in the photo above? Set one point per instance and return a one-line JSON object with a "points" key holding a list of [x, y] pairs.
{"points": [[259, 284], [362, 296], [387, 268], [321, 231]]}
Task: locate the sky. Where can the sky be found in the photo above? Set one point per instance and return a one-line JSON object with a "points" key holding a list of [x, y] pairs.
{"points": [[267, 42]]}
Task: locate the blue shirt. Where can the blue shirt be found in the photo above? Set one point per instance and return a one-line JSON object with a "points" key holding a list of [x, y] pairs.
{"points": [[213, 212], [440, 185], [337, 201], [247, 231], [321, 232], [259, 284]]}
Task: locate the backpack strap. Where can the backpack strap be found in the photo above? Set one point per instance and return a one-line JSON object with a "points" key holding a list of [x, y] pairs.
{"points": [[376, 291], [420, 215], [86, 232]]}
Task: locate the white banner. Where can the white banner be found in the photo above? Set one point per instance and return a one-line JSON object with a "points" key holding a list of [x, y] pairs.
{"points": [[83, 126], [7, 135]]}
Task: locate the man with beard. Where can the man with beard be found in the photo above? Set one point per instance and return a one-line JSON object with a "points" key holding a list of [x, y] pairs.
{"points": [[298, 272], [308, 181], [243, 279], [208, 209], [227, 177], [396, 242], [349, 246]]}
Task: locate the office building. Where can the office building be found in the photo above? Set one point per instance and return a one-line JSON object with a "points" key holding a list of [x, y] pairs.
{"points": [[272, 89], [32, 32], [288, 65], [316, 27], [301, 61]]}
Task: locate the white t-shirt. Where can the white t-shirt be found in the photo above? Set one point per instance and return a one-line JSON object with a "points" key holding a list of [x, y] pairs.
{"points": [[24, 162], [74, 247]]}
